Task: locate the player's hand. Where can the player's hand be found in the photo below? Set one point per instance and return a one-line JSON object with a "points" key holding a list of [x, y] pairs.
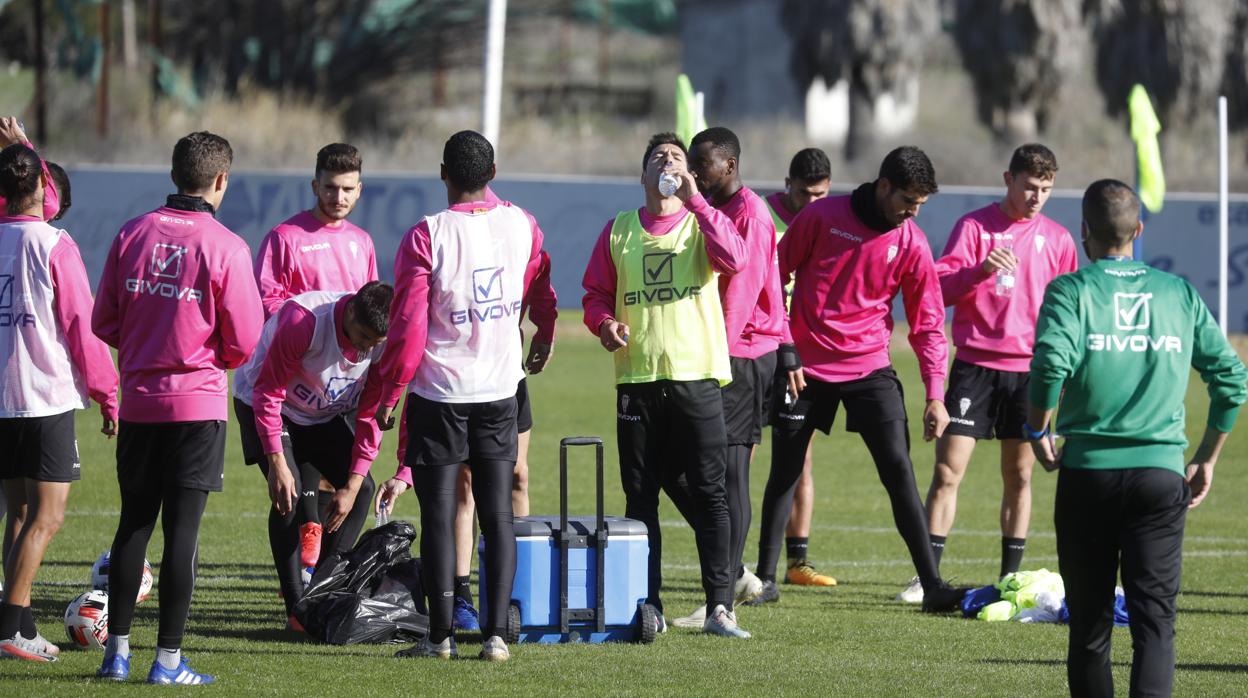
{"points": [[1047, 452], [389, 492], [1000, 259], [797, 382], [11, 132], [109, 429], [1199, 479], [613, 334], [539, 356], [282, 490], [385, 418], [688, 184], [344, 500], [935, 419]]}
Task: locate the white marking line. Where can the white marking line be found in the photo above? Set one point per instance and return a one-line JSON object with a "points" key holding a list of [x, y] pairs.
{"points": [[906, 562]]}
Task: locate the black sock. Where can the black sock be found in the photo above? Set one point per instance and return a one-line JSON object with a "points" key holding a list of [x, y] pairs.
{"points": [[463, 588], [323, 500], [1011, 554], [796, 548], [29, 629], [10, 620], [938, 546]]}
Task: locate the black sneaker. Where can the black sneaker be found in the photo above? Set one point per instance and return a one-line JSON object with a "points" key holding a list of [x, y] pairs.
{"points": [[943, 598], [770, 594]]}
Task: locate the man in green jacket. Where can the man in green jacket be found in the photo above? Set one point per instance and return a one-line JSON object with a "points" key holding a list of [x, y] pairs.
{"points": [[1120, 338]]}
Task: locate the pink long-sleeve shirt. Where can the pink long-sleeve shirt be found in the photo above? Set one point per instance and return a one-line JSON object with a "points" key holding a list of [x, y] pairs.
{"points": [[847, 276], [776, 200], [303, 254], [753, 298], [178, 301], [406, 340], [989, 330], [724, 248]]}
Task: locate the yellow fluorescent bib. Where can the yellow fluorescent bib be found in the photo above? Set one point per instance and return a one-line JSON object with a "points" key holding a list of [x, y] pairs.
{"points": [[668, 295]]}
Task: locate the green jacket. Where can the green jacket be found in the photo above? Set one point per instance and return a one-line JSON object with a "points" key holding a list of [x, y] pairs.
{"points": [[1120, 338]]}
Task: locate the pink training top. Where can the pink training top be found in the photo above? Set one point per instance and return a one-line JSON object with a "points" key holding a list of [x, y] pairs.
{"points": [[409, 326], [303, 254], [847, 278], [753, 298], [51, 197], [178, 301], [724, 247], [776, 200], [540, 302], [994, 331]]}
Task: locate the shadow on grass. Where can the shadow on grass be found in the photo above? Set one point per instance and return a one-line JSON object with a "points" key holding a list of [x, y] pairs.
{"points": [[1202, 666], [1215, 594], [1212, 612]]}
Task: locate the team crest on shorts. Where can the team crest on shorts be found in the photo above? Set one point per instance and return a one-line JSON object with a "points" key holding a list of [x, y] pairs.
{"points": [[963, 405]]}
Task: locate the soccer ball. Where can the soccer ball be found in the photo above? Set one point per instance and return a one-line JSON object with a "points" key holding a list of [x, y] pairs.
{"points": [[99, 576], [86, 620]]}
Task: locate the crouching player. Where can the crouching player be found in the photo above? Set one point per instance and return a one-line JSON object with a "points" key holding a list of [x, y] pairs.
{"points": [[295, 400]]}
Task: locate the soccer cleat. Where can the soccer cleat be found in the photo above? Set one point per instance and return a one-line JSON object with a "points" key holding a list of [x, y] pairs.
{"points": [[114, 668], [913, 593], [802, 573], [293, 624], [182, 675], [442, 650], [48, 646], [18, 647], [660, 623], [723, 622], [748, 587], [464, 616], [494, 650], [309, 544], [694, 620], [769, 594], [943, 598]]}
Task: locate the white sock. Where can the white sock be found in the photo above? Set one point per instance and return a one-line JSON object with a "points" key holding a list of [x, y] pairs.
{"points": [[117, 644], [169, 659]]}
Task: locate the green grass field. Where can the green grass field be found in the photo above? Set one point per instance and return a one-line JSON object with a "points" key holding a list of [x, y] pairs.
{"points": [[851, 640]]}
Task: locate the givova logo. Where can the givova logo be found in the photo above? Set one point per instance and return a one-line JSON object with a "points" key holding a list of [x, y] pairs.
{"points": [[9, 318], [657, 268], [166, 263], [487, 292], [656, 277], [339, 395], [1131, 311], [167, 260], [487, 284]]}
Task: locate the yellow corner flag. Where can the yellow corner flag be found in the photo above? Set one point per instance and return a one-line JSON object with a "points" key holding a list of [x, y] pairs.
{"points": [[689, 119], [1144, 129]]}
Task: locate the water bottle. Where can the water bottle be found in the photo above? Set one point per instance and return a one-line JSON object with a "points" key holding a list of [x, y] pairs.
{"points": [[1005, 279], [668, 181], [383, 514]]}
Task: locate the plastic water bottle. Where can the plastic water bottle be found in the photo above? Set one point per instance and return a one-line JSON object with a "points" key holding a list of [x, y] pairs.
{"points": [[383, 514], [1005, 279], [669, 183]]}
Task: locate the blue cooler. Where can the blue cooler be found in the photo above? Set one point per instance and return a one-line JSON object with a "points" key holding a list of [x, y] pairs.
{"points": [[580, 579]]}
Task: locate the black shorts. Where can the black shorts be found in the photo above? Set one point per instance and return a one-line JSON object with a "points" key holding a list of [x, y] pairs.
{"points": [[524, 413], [876, 397], [747, 399], [184, 454], [39, 448], [985, 403], [325, 446], [446, 433]]}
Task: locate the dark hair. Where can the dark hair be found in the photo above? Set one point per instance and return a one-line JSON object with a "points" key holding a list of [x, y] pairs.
{"points": [[1111, 211], [721, 139], [1034, 159], [658, 139], [810, 165], [338, 158], [468, 158], [60, 179], [197, 160], [19, 176], [908, 168], [372, 306]]}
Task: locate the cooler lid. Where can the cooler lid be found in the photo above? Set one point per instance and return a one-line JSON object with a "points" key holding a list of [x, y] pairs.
{"points": [[544, 526]]}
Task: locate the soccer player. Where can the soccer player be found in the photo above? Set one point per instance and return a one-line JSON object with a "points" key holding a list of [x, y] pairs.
{"points": [[454, 345], [11, 133], [810, 179], [754, 317], [1116, 343], [294, 400], [50, 364], [178, 301], [60, 180], [851, 256], [318, 250], [993, 272], [651, 297]]}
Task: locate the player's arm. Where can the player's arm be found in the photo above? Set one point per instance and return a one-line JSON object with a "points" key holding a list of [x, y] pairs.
{"points": [[291, 339], [745, 286], [543, 310], [599, 283], [72, 306], [106, 314], [1227, 383], [797, 244], [239, 313], [1056, 353], [925, 311], [272, 272], [724, 245], [402, 480], [961, 268]]}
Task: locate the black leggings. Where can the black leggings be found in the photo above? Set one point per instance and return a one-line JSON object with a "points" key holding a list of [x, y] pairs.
{"points": [[737, 488], [183, 509], [889, 444], [309, 500], [435, 487]]}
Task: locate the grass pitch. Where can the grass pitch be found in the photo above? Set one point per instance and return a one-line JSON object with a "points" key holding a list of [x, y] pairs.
{"points": [[850, 640]]}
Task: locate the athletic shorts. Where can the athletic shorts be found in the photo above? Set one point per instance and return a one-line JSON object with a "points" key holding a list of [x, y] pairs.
{"points": [[747, 399], [524, 412], [39, 448], [446, 433], [184, 454], [325, 446], [984, 403], [875, 398]]}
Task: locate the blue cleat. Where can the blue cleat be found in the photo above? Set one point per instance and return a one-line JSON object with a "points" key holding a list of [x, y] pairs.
{"points": [[114, 668], [465, 617], [181, 676]]}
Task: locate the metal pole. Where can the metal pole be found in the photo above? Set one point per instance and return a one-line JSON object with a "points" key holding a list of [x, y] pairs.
{"points": [[491, 103], [101, 95], [1223, 216], [41, 79]]}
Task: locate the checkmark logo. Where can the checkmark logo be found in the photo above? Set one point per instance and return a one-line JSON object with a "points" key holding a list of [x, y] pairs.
{"points": [[338, 387], [6, 290], [657, 268], [487, 284], [1131, 311], [167, 260]]}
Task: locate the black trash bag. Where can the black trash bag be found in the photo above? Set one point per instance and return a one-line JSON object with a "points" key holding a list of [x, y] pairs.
{"points": [[371, 594]]}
